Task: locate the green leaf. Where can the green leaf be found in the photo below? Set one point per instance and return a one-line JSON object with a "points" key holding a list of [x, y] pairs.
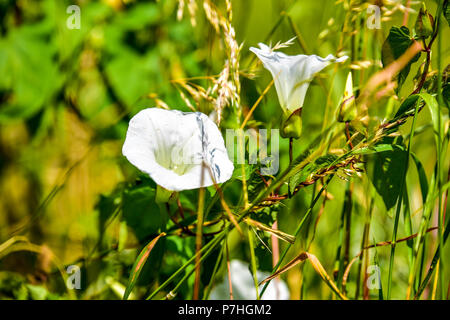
{"points": [[422, 177], [139, 264], [320, 163], [13, 285], [255, 184], [208, 266], [29, 73], [248, 171], [377, 149], [397, 42], [128, 77], [447, 11], [108, 208], [140, 15], [407, 105], [107, 205], [385, 170], [141, 212], [37, 292], [432, 103]]}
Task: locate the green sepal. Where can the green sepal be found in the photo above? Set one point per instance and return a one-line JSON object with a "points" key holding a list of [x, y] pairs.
{"points": [[291, 124], [162, 195]]}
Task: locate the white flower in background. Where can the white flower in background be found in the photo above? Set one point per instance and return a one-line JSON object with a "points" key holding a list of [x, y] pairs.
{"points": [[244, 286], [171, 146], [292, 74]]}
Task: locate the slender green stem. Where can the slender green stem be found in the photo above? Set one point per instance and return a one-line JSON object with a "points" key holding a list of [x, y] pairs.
{"points": [[205, 250], [339, 256], [433, 264], [199, 236], [299, 227], [173, 293], [348, 226], [439, 149], [213, 276], [364, 243], [438, 177], [420, 240], [253, 259], [393, 245], [399, 206], [408, 222]]}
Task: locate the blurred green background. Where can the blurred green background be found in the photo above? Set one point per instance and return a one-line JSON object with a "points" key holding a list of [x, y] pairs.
{"points": [[66, 97]]}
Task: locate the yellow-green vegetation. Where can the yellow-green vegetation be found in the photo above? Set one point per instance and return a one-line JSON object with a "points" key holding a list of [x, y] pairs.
{"points": [[356, 210]]}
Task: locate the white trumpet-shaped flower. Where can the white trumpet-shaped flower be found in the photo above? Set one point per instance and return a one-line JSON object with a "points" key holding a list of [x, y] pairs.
{"points": [[292, 74], [243, 285], [174, 147]]}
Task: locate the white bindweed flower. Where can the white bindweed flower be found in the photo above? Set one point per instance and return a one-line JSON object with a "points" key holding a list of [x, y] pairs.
{"points": [[244, 287], [292, 74], [173, 148]]}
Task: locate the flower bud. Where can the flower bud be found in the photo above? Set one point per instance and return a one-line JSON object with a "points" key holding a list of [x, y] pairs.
{"points": [[424, 23], [347, 109]]}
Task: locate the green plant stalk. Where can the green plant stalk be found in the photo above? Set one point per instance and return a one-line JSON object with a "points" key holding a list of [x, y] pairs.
{"points": [[408, 222], [425, 220], [173, 292], [187, 275], [423, 257], [283, 14], [408, 227], [339, 256], [380, 290], [302, 266], [272, 31], [253, 260], [364, 243], [393, 245], [399, 206], [433, 264], [428, 206], [205, 250], [439, 148], [298, 36], [307, 214], [436, 184], [213, 276], [199, 237], [348, 220], [242, 160], [313, 196]]}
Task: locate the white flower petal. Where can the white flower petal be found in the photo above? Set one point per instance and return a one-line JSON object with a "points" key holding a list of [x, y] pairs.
{"points": [[244, 286], [170, 146], [292, 74]]}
